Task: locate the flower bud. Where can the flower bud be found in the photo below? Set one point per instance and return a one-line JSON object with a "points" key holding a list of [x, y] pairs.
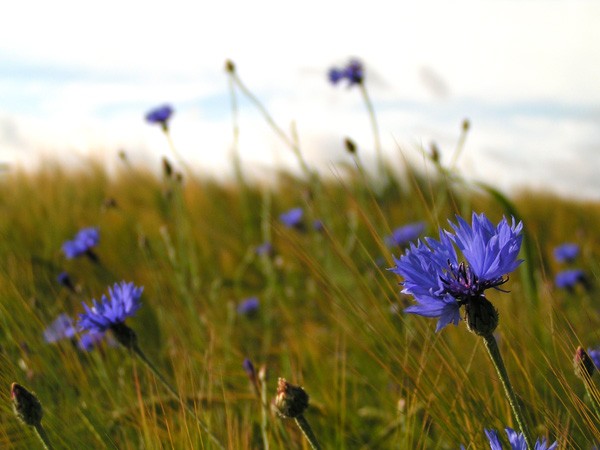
{"points": [[229, 66], [481, 316], [26, 406], [124, 335], [290, 401], [584, 366], [350, 145]]}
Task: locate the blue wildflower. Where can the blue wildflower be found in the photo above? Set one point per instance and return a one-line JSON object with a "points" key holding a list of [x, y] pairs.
{"points": [[292, 218], [566, 252], [568, 279], [318, 225], [595, 356], [82, 244], [248, 306], [336, 75], [64, 279], [61, 328], [441, 285], [404, 234], [517, 441], [265, 248], [353, 72], [124, 302], [90, 340], [160, 115]]}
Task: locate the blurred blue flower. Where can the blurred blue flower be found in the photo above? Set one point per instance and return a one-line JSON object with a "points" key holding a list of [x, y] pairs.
{"points": [[64, 279], [90, 340], [568, 279], [124, 302], [441, 285], [265, 248], [61, 328], [404, 234], [292, 218], [595, 356], [248, 306], [566, 252], [160, 115], [516, 440], [353, 72], [83, 242], [318, 225]]}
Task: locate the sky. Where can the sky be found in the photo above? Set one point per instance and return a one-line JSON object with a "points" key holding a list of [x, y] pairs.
{"points": [[77, 79]]}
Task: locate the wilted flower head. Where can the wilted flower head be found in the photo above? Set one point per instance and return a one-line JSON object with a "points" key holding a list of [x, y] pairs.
{"points": [[26, 405], [61, 328], [566, 252], [404, 234], [292, 218], [516, 440], [441, 285], [83, 242], [353, 72], [568, 279], [124, 302], [290, 401], [160, 115], [248, 306]]}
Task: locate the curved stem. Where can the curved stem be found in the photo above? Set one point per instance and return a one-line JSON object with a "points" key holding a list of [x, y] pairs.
{"points": [[371, 111], [41, 433], [175, 394], [307, 431], [492, 347]]}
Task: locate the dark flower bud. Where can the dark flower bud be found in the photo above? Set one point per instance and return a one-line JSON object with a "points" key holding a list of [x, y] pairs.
{"points": [[123, 155], [250, 370], [481, 316], [350, 145], [26, 406], [124, 335], [290, 401], [109, 203], [167, 168], [229, 66], [435, 152], [584, 366], [466, 125]]}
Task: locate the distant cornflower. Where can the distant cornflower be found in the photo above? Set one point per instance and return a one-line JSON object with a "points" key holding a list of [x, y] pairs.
{"points": [[516, 440], [404, 234], [566, 252], [353, 72], [64, 279], [160, 116], [248, 306], [595, 356], [568, 279], [61, 328], [292, 218], [90, 340], [441, 285], [265, 248], [318, 225], [82, 244], [124, 302]]}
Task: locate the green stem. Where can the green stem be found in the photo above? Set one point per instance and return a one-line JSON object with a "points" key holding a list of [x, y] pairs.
{"points": [[265, 411], [372, 117], [587, 382], [41, 433], [308, 432], [175, 394], [492, 348]]}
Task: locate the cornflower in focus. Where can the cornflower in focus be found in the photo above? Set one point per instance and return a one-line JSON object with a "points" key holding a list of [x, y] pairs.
{"points": [[516, 440], [566, 252], [441, 285], [160, 116], [353, 72], [82, 244], [404, 234]]}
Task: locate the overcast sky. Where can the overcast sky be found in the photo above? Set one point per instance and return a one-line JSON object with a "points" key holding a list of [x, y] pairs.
{"points": [[77, 78]]}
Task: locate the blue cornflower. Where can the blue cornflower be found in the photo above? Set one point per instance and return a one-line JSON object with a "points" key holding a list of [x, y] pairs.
{"points": [[124, 302], [441, 285], [64, 279], [353, 72], [160, 115], [248, 306], [90, 340], [82, 244], [61, 328], [336, 75], [568, 279], [566, 252], [265, 248], [404, 234], [516, 440], [595, 356], [292, 218]]}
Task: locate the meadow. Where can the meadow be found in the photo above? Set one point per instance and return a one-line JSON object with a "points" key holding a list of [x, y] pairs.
{"points": [[325, 313]]}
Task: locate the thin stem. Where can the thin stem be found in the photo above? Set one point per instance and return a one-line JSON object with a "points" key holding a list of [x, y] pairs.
{"points": [[175, 394], [589, 387], [372, 117], [308, 432], [41, 433], [175, 152], [265, 411], [492, 347]]}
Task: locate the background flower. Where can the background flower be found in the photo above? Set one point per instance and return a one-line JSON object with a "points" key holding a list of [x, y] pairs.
{"points": [[83, 242]]}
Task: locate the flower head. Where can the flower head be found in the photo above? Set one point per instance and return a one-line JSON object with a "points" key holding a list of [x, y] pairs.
{"points": [[83, 242], [516, 440], [441, 285], [566, 252], [568, 279], [595, 356], [292, 218], [404, 234], [160, 115], [61, 328], [353, 72], [248, 306], [124, 302]]}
